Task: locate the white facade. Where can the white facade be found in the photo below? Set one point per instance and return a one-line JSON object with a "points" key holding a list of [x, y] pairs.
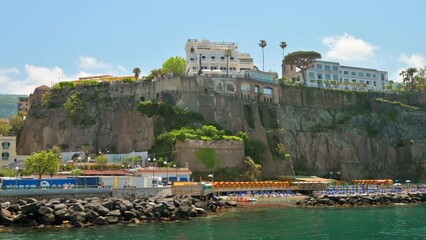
{"points": [[210, 58], [333, 75]]}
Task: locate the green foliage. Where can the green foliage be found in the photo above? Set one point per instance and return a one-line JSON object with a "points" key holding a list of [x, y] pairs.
{"points": [[101, 159], [268, 116], [248, 115], [4, 128], [371, 130], [8, 172], [137, 72], [399, 104], [207, 156], [130, 160], [16, 125], [281, 152], [205, 133], [46, 100], [175, 65], [90, 82], [128, 80], [254, 149], [64, 85], [173, 117], [251, 170], [74, 105], [44, 162]]}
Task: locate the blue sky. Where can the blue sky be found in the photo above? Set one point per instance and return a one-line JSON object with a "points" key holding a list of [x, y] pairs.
{"points": [[46, 41]]}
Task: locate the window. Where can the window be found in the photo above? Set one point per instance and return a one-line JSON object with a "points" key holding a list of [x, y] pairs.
{"points": [[232, 68], [374, 83], [368, 74], [311, 75], [361, 74], [203, 67], [222, 58], [327, 67], [203, 57], [362, 81], [194, 67], [5, 145], [319, 76], [368, 82], [5, 156], [192, 59], [346, 80], [327, 76], [353, 73], [374, 75], [335, 68], [353, 80], [319, 66], [213, 68], [222, 68], [383, 76], [213, 57], [336, 77], [192, 49], [346, 72], [232, 58]]}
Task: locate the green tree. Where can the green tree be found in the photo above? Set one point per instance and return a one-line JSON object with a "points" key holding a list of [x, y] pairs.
{"points": [[101, 160], [137, 72], [46, 99], [74, 105], [262, 44], [4, 128], [251, 170], [408, 78], [228, 53], [17, 124], [283, 45], [302, 60], [44, 162], [174, 65], [254, 149]]}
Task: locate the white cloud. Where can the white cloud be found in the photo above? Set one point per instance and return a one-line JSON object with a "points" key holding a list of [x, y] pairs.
{"points": [[121, 68], [413, 60], [348, 48], [87, 62]]}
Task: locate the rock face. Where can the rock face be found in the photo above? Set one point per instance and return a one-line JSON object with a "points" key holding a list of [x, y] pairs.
{"points": [[90, 211], [324, 131]]}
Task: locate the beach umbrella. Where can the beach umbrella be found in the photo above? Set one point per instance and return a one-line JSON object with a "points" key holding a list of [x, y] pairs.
{"points": [[408, 181]]}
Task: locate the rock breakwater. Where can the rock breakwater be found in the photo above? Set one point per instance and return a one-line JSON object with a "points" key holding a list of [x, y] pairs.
{"points": [[362, 200], [30, 212]]}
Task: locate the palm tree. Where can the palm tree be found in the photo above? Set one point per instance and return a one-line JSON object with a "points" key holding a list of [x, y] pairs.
{"points": [[283, 45], [137, 72], [408, 77], [262, 44], [228, 53]]}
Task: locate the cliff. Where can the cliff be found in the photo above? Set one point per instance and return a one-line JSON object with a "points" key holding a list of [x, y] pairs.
{"points": [[359, 135]]}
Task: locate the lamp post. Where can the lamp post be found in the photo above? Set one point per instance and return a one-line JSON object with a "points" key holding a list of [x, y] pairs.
{"points": [[152, 161], [174, 165], [167, 172], [16, 176]]}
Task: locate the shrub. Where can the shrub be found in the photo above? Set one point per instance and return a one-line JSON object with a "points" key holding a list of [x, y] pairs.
{"points": [[64, 85]]}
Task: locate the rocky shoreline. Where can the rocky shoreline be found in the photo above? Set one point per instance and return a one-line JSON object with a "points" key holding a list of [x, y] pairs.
{"points": [[362, 200], [30, 212]]}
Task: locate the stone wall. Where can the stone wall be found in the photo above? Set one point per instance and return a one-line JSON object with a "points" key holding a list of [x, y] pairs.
{"points": [[14, 195], [127, 193], [228, 153]]}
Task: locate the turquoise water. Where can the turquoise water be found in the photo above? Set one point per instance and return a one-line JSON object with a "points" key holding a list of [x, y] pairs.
{"points": [[402, 222]]}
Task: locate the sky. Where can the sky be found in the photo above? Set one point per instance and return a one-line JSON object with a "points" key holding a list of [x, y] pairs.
{"points": [[46, 41]]}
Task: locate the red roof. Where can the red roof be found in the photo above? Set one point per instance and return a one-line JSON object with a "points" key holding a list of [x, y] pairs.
{"points": [[104, 172]]}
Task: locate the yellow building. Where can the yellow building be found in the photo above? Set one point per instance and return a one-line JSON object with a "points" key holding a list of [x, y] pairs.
{"points": [[8, 150]]}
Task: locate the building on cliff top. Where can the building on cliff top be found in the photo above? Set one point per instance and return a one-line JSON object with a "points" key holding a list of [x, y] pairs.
{"points": [[326, 74], [209, 57]]}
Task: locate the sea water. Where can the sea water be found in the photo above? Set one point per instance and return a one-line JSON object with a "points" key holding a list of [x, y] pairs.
{"points": [[259, 222]]}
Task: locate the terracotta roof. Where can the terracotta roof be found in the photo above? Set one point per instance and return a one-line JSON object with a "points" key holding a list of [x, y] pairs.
{"points": [[104, 172]]}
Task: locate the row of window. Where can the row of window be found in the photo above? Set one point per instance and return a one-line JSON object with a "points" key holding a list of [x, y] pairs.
{"points": [[327, 67], [360, 74], [215, 68], [327, 76]]}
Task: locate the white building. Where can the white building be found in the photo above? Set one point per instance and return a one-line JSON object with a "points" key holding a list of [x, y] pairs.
{"points": [[210, 58], [333, 75]]}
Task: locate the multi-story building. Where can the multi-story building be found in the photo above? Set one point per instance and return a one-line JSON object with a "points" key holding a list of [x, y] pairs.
{"points": [[8, 150], [333, 75], [209, 57], [23, 104]]}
